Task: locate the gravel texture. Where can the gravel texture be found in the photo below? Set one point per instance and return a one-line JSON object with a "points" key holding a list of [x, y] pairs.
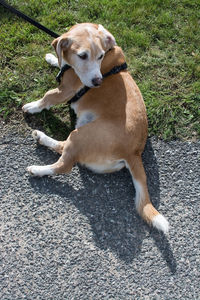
{"points": [[77, 236]]}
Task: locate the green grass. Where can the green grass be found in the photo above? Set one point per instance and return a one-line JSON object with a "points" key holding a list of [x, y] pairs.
{"points": [[161, 42]]}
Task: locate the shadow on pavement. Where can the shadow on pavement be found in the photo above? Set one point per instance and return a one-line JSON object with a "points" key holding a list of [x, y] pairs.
{"points": [[108, 203], [164, 247]]}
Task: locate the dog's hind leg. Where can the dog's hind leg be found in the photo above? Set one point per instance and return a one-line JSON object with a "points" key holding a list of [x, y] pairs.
{"points": [[63, 165], [142, 201], [66, 161], [47, 141], [85, 144]]}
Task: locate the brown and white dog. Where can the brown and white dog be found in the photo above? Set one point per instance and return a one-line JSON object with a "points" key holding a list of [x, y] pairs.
{"points": [[111, 129]]}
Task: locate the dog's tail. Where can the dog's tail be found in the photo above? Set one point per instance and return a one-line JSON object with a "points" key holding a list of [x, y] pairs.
{"points": [[142, 201]]}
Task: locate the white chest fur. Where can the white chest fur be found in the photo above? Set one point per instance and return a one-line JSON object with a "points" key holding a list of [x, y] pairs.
{"points": [[83, 117]]}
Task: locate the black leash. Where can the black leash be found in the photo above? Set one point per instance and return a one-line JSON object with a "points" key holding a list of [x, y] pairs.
{"points": [[85, 89], [30, 20], [82, 91]]}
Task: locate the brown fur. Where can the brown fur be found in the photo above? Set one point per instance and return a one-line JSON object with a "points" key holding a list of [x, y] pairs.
{"points": [[119, 131]]}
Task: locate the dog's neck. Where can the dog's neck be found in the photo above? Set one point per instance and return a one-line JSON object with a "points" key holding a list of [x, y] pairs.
{"points": [[113, 57]]}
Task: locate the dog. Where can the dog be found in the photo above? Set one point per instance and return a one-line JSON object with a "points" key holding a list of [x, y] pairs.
{"points": [[111, 128]]}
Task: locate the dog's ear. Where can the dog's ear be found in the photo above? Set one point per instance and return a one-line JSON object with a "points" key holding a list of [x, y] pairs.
{"points": [[60, 44], [107, 38]]}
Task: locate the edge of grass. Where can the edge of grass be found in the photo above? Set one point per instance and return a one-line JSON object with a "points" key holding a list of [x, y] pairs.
{"points": [[160, 40]]}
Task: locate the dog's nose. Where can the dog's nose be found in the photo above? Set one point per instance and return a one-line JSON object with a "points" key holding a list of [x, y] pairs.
{"points": [[97, 81]]}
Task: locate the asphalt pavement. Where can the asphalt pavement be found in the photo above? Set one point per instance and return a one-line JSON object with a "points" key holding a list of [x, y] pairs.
{"points": [[78, 236]]}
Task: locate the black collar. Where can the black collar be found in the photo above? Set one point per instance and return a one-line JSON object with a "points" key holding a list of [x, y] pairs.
{"points": [[61, 72], [116, 70], [84, 90]]}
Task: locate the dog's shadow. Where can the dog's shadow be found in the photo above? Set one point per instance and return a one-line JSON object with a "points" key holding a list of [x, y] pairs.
{"points": [[108, 203]]}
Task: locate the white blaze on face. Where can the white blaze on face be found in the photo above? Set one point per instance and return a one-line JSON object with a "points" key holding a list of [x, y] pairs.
{"points": [[87, 71]]}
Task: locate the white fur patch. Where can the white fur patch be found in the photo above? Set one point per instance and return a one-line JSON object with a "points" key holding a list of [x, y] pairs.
{"points": [[85, 118], [160, 223], [138, 189], [45, 140], [40, 170], [89, 72], [33, 107], [106, 167], [138, 193], [74, 106], [52, 60]]}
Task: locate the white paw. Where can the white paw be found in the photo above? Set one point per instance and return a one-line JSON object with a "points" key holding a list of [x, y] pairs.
{"points": [[33, 107], [40, 170], [52, 60], [45, 140], [38, 135]]}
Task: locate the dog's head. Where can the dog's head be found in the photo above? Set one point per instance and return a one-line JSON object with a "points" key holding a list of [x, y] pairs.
{"points": [[83, 47]]}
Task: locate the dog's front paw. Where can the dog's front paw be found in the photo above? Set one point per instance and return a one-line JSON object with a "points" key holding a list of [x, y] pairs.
{"points": [[33, 107], [51, 59], [40, 170]]}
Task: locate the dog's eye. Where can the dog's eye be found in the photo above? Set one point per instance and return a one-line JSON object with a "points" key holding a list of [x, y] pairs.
{"points": [[83, 56], [100, 57]]}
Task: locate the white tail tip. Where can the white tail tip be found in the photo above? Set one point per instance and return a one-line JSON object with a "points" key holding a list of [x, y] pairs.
{"points": [[160, 223]]}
